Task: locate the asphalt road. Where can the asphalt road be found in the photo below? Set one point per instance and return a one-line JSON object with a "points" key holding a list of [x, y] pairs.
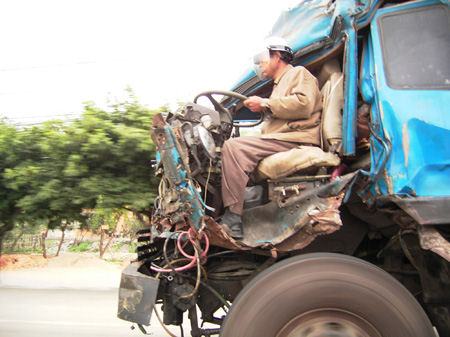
{"points": [[26, 312]]}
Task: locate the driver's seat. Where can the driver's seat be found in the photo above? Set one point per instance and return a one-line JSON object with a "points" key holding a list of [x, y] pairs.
{"points": [[304, 159]]}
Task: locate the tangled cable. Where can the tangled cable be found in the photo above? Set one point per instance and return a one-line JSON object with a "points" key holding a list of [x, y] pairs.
{"points": [[199, 256]]}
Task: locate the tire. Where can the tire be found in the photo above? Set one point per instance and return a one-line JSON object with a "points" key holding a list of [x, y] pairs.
{"points": [[325, 295]]}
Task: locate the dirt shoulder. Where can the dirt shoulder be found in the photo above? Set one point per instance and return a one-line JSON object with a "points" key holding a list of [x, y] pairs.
{"points": [[22, 261], [70, 270]]}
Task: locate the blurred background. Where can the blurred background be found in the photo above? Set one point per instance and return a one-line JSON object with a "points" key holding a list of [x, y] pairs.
{"points": [[79, 84]]}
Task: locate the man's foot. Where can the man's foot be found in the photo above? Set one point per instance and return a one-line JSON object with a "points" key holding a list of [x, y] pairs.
{"points": [[234, 223]]}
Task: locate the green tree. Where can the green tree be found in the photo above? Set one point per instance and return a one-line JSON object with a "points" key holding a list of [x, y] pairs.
{"points": [[110, 157], [9, 213], [104, 221], [54, 172], [38, 178]]}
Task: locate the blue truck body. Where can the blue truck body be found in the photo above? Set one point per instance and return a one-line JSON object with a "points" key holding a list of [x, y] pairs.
{"points": [[385, 203], [410, 144]]}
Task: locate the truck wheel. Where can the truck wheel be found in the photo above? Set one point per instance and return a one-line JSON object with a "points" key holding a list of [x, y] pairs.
{"points": [[325, 295]]}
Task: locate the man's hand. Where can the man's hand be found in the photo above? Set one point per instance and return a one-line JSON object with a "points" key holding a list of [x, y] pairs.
{"points": [[254, 103]]}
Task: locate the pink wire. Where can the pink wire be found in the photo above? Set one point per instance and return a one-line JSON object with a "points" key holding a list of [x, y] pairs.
{"points": [[189, 233], [193, 258]]}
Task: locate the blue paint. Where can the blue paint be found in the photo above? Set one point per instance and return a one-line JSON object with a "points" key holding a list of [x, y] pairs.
{"points": [[416, 123], [312, 22], [309, 27], [176, 173], [367, 76], [410, 147], [350, 91]]}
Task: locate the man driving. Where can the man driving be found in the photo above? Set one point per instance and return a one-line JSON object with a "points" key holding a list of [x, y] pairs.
{"points": [[293, 113]]}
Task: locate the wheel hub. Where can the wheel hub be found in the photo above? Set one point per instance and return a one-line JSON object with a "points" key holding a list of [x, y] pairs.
{"points": [[328, 323]]}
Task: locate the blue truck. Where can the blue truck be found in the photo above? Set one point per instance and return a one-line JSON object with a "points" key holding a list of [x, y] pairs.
{"points": [[349, 239]]}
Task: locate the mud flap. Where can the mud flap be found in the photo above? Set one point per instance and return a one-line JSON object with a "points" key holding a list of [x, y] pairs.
{"points": [[137, 296]]}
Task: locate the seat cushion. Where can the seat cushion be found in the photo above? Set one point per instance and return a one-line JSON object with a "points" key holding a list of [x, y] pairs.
{"points": [[333, 103], [280, 165], [330, 67]]}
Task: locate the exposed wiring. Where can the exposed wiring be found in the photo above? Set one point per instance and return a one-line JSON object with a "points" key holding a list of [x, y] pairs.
{"points": [[197, 281], [197, 259], [166, 257], [199, 266], [154, 308], [193, 258], [207, 180], [199, 197], [199, 254], [198, 278]]}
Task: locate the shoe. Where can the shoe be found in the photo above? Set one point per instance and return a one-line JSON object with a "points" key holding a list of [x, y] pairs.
{"points": [[234, 223]]}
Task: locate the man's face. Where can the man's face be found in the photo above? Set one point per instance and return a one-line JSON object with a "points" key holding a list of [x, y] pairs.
{"points": [[272, 65], [268, 65]]}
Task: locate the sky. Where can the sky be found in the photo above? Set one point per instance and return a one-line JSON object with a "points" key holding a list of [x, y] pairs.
{"points": [[55, 55]]}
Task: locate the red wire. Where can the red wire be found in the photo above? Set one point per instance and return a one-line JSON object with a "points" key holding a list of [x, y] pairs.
{"points": [[190, 233]]}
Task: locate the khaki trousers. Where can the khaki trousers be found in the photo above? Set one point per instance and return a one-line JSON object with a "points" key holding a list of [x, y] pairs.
{"points": [[240, 157]]}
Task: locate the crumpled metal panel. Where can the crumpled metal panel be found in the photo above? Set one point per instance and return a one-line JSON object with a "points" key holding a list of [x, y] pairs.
{"points": [[298, 231], [412, 122], [180, 194], [431, 239], [290, 225], [324, 221], [311, 21]]}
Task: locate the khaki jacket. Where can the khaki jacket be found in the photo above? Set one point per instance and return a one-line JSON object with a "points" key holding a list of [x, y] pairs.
{"points": [[295, 108]]}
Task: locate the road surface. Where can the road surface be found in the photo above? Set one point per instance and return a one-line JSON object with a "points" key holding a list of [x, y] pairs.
{"points": [[64, 312]]}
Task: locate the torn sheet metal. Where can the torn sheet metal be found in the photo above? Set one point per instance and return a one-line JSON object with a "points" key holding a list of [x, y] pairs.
{"points": [[290, 226], [179, 191], [293, 229], [431, 239], [322, 222]]}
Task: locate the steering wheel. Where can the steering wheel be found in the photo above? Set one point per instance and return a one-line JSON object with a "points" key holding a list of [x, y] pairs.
{"points": [[221, 109]]}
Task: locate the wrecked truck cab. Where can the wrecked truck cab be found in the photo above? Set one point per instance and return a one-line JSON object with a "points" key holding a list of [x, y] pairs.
{"points": [[375, 192]]}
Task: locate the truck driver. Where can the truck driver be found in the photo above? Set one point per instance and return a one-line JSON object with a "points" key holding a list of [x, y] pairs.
{"points": [[293, 113]]}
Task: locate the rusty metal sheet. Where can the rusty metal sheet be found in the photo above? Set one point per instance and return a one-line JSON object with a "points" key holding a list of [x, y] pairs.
{"points": [[219, 236], [302, 225], [137, 296]]}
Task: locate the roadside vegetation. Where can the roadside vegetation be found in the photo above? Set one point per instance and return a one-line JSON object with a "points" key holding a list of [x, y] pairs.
{"points": [[92, 175]]}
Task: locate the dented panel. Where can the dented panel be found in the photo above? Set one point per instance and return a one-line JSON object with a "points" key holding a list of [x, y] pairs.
{"points": [[177, 196], [291, 224], [412, 120]]}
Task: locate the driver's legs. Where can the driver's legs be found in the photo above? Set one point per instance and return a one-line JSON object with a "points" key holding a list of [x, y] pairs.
{"points": [[240, 157]]}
